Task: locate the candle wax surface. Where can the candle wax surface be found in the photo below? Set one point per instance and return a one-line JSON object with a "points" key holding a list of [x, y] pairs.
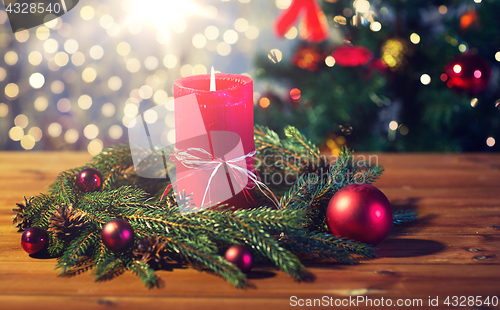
{"points": [[229, 109]]}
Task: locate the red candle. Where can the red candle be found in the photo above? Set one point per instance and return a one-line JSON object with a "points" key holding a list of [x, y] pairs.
{"points": [[208, 125]]}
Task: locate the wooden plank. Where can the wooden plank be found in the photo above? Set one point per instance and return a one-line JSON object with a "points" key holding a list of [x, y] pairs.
{"points": [[454, 249]]}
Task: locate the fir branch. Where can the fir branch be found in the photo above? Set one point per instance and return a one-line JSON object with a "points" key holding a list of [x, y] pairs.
{"points": [[298, 142], [64, 189], [56, 246], [78, 247], [111, 163], [213, 261], [109, 268], [84, 263], [257, 238], [268, 143], [146, 274], [277, 236]]}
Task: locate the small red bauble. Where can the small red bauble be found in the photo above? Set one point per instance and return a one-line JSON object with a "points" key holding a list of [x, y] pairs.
{"points": [[469, 73], [117, 235], [240, 256], [89, 180], [360, 212], [352, 56], [34, 239]]}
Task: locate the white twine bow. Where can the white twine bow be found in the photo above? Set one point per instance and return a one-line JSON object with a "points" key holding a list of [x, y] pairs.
{"points": [[199, 160]]}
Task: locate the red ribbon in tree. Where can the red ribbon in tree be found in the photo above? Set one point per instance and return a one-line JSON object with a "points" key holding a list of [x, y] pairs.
{"points": [[315, 20]]}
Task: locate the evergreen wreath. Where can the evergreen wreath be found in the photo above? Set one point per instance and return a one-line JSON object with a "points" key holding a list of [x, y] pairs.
{"points": [[165, 239]]}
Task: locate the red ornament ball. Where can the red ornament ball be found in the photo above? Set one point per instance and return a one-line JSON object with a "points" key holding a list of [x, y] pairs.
{"points": [[117, 235], [352, 56], [467, 72], [360, 212], [240, 256], [89, 180], [34, 239]]}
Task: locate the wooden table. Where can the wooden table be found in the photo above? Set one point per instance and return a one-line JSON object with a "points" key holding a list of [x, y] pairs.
{"points": [[453, 250]]}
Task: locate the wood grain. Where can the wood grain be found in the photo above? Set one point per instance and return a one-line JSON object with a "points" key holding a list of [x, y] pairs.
{"points": [[454, 248]]}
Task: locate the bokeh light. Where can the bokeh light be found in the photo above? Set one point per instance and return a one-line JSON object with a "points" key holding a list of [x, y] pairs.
{"points": [[91, 131], [57, 87], [223, 48], [275, 55], [21, 121], [36, 133], [27, 142], [11, 91], [292, 33], [376, 26], [4, 109], [414, 38], [170, 61], [115, 132], [264, 102], [35, 58], [22, 36], [37, 80], [85, 102], [283, 4], [71, 136], [96, 52], [43, 33], [54, 130], [89, 75], [10, 58], [41, 103], [95, 147], [115, 83], [16, 133], [362, 6], [490, 141], [330, 61], [61, 59], [230, 36], [425, 79], [71, 46], [295, 94], [474, 102], [64, 105]]}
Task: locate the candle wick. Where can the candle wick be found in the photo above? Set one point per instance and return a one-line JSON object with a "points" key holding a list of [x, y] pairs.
{"points": [[212, 80]]}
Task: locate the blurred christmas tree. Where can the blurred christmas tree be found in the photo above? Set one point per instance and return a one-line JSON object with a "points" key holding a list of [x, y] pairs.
{"points": [[392, 75]]}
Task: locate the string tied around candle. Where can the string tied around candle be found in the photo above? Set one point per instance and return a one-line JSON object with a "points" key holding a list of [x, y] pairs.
{"points": [[200, 159]]}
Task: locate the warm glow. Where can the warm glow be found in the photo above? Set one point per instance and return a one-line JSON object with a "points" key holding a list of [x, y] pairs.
{"points": [[425, 79], [167, 14], [474, 102], [414, 38], [490, 141], [393, 125], [376, 26], [264, 102], [457, 68]]}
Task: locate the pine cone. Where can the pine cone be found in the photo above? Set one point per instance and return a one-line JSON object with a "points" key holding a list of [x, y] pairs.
{"points": [[66, 222], [18, 220], [149, 251]]}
